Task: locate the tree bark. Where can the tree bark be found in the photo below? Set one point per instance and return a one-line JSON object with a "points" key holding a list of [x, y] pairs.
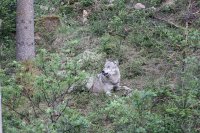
{"points": [[1, 124], [25, 48]]}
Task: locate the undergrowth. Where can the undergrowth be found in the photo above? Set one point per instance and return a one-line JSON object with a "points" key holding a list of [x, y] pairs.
{"points": [[158, 52]]}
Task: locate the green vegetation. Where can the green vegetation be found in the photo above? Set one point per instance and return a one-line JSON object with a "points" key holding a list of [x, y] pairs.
{"points": [[158, 53]]}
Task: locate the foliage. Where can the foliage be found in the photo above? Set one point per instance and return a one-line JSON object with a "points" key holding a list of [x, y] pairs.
{"points": [[99, 28], [86, 3], [41, 88], [7, 51], [8, 15], [67, 10], [156, 109], [150, 2], [134, 69], [46, 7], [110, 45], [130, 114]]}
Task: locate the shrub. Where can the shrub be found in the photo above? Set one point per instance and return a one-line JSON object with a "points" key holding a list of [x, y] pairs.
{"points": [[99, 27], [131, 114], [133, 69], [86, 3], [158, 108], [39, 90], [8, 15]]}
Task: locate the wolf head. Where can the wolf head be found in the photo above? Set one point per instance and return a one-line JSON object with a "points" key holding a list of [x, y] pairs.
{"points": [[110, 68]]}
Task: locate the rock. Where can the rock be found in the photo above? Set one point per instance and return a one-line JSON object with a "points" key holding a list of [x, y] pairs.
{"points": [[111, 1], [153, 8], [139, 6], [45, 8], [85, 13], [37, 36], [85, 16], [169, 3]]}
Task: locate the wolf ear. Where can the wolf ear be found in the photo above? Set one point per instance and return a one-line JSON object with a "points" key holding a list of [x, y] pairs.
{"points": [[116, 62], [107, 60]]}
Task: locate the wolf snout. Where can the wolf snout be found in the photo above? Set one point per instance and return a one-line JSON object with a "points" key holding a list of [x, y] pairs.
{"points": [[104, 73]]}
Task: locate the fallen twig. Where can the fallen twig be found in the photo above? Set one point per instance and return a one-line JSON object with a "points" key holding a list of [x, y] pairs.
{"points": [[169, 22]]}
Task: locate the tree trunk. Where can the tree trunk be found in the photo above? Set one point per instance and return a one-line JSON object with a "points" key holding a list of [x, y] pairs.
{"points": [[25, 49], [1, 123]]}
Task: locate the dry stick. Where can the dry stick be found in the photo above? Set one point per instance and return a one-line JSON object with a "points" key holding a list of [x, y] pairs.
{"points": [[184, 51], [186, 37], [61, 112], [11, 108], [169, 22], [32, 104], [62, 95], [54, 98], [184, 56], [45, 97], [58, 84], [53, 105], [48, 103], [165, 20]]}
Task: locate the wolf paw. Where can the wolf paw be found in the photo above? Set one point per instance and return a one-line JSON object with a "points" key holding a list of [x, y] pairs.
{"points": [[108, 93]]}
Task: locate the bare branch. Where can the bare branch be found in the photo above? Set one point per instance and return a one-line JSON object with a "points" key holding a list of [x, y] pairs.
{"points": [[18, 113], [169, 22]]}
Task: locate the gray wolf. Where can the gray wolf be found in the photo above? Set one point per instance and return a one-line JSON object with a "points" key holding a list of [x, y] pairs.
{"points": [[107, 80]]}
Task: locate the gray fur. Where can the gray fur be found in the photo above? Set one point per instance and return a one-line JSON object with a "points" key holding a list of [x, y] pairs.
{"points": [[107, 80]]}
